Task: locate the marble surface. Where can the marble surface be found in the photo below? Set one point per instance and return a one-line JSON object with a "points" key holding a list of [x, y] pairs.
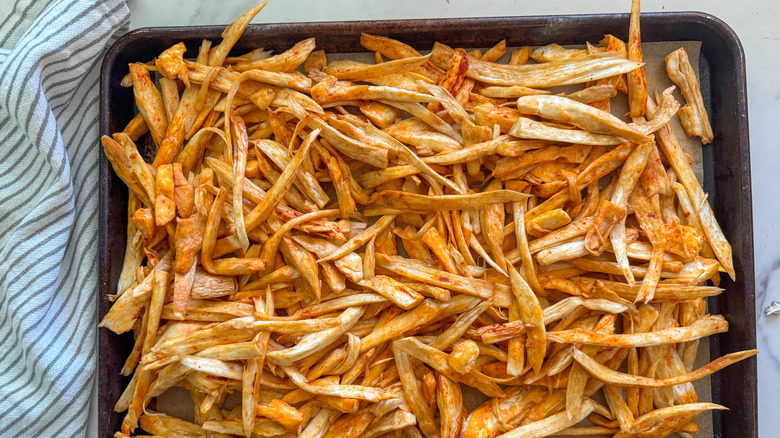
{"points": [[753, 20]]}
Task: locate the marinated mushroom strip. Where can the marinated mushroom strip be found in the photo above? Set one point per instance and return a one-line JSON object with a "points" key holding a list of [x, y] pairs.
{"points": [[636, 79], [374, 178], [339, 303], [263, 427], [434, 241], [346, 202], [188, 238], [575, 390], [668, 107], [416, 318], [170, 95], [423, 139], [287, 61], [350, 425], [231, 34], [608, 215], [524, 127], [663, 292], [134, 255], [280, 412], [562, 234], [500, 332], [471, 286], [691, 217], [404, 81], [531, 314], [159, 290], [551, 424], [563, 72], [367, 393], [524, 162], [592, 94], [314, 342], [561, 109], [235, 330], [449, 399], [354, 149], [693, 115], [511, 92], [706, 326], [138, 166], [555, 52], [629, 175], [463, 358], [183, 119], [324, 93], [404, 153], [668, 420], [480, 250], [527, 262], [454, 78], [150, 102], [224, 80], [454, 109], [161, 424], [395, 291], [515, 349], [568, 250], [413, 393], [240, 151], [472, 152], [394, 49], [306, 264], [428, 117], [357, 71], [612, 44], [492, 224], [646, 212], [459, 327], [412, 202], [617, 378], [359, 240], [214, 367], [122, 166], [230, 265], [170, 64], [350, 265], [128, 307], [637, 271], [392, 422], [619, 407]]}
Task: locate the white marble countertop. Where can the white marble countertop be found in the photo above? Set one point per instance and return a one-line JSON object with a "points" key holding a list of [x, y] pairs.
{"points": [[753, 20]]}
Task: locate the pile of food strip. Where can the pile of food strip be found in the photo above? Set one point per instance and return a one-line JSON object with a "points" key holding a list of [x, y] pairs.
{"points": [[340, 249]]}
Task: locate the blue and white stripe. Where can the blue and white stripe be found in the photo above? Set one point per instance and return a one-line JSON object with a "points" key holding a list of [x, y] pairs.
{"points": [[49, 149]]}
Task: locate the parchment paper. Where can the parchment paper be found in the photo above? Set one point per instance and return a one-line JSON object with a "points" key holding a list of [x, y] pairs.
{"points": [[177, 401]]}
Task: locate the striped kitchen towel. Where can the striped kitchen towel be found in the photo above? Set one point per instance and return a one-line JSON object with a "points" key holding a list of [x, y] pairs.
{"points": [[49, 69]]}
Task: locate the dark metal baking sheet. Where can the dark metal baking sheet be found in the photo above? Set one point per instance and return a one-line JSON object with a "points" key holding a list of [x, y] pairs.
{"points": [[726, 161]]}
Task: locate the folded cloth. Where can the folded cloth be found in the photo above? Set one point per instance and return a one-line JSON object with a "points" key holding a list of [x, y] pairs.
{"points": [[49, 153]]}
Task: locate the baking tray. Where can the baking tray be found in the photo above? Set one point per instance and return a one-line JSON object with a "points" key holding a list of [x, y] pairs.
{"points": [[726, 161]]}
